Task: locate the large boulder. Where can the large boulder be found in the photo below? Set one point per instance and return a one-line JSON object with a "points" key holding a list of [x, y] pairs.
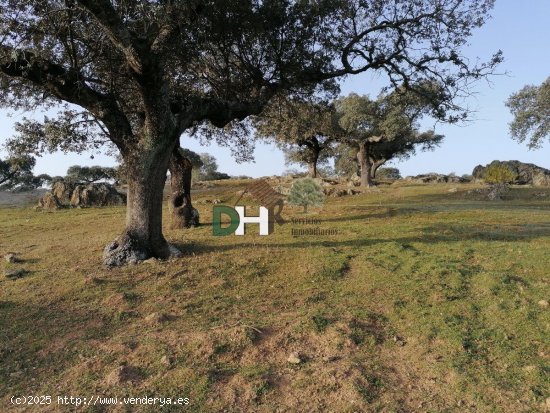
{"points": [[525, 173], [63, 191], [49, 201], [96, 195]]}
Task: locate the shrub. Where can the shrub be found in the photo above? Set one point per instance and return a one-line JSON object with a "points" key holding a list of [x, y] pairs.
{"points": [[305, 192], [498, 174]]}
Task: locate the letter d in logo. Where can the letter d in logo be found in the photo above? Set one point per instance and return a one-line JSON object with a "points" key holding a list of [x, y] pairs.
{"points": [[217, 228]]}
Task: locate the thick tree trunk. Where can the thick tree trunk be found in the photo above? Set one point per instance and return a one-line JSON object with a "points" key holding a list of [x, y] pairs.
{"points": [[365, 165], [312, 169], [181, 209], [142, 237]]}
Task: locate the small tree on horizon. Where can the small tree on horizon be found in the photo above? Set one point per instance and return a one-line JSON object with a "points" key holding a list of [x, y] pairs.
{"points": [[91, 174], [16, 174], [305, 192], [389, 173], [304, 130]]}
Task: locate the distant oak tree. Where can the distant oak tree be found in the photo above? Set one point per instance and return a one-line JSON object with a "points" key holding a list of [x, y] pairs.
{"points": [[304, 130], [89, 174], [382, 129], [138, 74], [16, 174]]}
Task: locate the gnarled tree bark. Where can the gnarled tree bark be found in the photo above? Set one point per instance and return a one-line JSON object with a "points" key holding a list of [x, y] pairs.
{"points": [[365, 164], [142, 237], [181, 209]]}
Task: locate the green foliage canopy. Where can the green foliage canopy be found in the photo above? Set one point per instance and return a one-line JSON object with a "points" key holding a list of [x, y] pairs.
{"points": [[531, 110], [306, 192], [16, 174], [498, 174], [89, 174]]}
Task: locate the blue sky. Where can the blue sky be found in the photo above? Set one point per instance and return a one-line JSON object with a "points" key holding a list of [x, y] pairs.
{"points": [[520, 29]]}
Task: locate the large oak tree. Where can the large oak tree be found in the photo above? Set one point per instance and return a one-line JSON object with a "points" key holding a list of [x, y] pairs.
{"points": [[140, 73]]}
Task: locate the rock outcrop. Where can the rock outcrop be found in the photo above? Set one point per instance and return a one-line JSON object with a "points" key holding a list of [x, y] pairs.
{"points": [[433, 178], [49, 201], [526, 173], [96, 195], [63, 190], [68, 194]]}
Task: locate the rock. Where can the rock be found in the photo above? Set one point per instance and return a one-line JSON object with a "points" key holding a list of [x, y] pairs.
{"points": [[541, 179], [329, 181], [167, 361], [339, 192], [496, 192], [14, 273], [352, 192], [432, 178], [91, 195], [157, 318], [63, 190], [453, 190], [525, 173], [123, 374], [294, 358], [543, 303], [96, 195], [49, 201], [11, 258], [399, 341]]}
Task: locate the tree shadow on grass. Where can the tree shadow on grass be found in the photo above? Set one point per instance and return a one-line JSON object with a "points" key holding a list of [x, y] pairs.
{"points": [[377, 214], [433, 234]]}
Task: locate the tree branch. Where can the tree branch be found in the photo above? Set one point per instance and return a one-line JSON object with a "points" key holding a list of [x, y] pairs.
{"points": [[108, 18], [68, 85]]}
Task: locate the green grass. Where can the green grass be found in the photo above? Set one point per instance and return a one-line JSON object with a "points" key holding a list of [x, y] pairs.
{"points": [[424, 301]]}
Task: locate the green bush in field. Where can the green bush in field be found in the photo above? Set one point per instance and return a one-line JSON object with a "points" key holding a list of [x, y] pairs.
{"points": [[499, 175], [306, 192]]}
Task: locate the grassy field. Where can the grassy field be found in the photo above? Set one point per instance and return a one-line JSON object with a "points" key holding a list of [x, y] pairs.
{"points": [[425, 301]]}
